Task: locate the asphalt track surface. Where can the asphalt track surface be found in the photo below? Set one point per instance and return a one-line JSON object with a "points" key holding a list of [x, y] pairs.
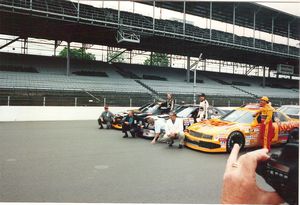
{"points": [[74, 161]]}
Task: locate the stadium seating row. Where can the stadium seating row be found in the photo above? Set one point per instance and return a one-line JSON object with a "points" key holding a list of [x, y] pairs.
{"points": [[69, 8], [52, 77]]}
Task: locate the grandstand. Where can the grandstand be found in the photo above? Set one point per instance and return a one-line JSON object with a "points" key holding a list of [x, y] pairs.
{"points": [[30, 78]]}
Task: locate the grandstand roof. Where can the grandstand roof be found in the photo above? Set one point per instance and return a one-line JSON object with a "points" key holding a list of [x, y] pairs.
{"points": [[99, 26], [223, 11]]}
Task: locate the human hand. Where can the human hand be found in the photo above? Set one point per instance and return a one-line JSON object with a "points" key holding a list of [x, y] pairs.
{"points": [[239, 181]]}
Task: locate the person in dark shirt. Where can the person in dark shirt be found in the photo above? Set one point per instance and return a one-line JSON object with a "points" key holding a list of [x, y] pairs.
{"points": [[170, 102], [129, 124], [106, 117]]}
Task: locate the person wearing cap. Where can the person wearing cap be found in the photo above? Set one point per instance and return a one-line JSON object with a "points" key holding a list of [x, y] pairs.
{"points": [[203, 108], [265, 113], [106, 117], [174, 130]]}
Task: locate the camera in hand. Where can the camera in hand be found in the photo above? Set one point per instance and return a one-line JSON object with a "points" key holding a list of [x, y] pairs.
{"points": [[281, 172]]}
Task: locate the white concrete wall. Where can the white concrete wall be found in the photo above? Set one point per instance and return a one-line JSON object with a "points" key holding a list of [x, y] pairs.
{"points": [[53, 113]]}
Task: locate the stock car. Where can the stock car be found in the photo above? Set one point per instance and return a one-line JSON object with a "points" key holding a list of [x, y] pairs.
{"points": [[293, 111], [149, 109], [238, 126], [187, 112]]}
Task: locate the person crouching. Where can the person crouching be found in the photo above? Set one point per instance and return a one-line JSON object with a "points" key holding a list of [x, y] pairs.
{"points": [[129, 124], [106, 117], [174, 130]]}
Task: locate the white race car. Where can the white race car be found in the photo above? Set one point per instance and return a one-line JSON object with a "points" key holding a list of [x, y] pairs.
{"points": [[187, 113]]}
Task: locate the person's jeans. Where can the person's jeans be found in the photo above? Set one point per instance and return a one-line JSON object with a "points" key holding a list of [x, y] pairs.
{"points": [[101, 122]]}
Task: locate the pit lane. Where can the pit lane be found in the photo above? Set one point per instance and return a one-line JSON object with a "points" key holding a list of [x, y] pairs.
{"points": [[74, 161]]}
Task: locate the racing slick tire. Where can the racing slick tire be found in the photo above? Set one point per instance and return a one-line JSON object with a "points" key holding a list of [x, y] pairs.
{"points": [[235, 137], [293, 135]]}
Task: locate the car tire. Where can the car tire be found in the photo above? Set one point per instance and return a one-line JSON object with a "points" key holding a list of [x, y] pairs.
{"points": [[235, 137], [293, 135]]}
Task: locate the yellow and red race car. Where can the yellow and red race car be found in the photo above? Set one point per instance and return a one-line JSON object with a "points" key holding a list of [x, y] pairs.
{"points": [[238, 126]]}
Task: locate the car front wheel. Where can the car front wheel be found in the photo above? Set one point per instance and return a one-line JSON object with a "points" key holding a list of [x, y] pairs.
{"points": [[235, 137]]}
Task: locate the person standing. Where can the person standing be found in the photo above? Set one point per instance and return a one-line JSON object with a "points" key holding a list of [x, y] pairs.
{"points": [[265, 113], [203, 108], [174, 130], [106, 117], [170, 103]]}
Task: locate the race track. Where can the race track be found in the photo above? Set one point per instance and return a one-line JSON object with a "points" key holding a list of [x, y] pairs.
{"points": [[74, 161]]}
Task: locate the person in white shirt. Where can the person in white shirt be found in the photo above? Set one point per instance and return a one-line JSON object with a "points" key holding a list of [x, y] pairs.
{"points": [[174, 130], [159, 129], [203, 108]]}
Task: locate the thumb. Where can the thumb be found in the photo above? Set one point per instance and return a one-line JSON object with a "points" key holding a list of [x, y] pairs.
{"points": [[271, 198]]}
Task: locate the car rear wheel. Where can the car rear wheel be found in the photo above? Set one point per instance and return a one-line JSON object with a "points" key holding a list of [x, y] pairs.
{"points": [[235, 137], [294, 135]]}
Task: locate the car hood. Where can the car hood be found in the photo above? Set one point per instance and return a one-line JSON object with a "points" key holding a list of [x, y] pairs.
{"points": [[213, 126]]}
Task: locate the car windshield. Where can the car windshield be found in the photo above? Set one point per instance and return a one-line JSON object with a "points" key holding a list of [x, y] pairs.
{"points": [[290, 110], [185, 112], [144, 107], [241, 116], [152, 108]]}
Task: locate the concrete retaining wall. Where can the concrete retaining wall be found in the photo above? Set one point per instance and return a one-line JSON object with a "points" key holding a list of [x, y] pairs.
{"points": [[52, 113]]}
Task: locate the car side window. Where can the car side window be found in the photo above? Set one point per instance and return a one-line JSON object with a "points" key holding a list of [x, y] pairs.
{"points": [[280, 116]]}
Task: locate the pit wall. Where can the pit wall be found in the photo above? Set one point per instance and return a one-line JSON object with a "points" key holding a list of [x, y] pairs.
{"points": [[53, 113]]}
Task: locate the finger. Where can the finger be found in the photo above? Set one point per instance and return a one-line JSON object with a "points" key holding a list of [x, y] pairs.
{"points": [[233, 156], [249, 161]]}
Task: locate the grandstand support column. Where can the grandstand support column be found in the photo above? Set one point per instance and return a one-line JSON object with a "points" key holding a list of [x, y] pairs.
{"points": [[188, 68], [78, 10], [24, 47], [133, 7], [184, 17], [153, 18], [68, 59], [219, 66], [151, 58], [288, 37], [30, 4], [204, 66], [210, 17], [130, 56], [194, 86], [56, 44], [233, 67], [272, 34], [233, 22], [254, 25], [264, 77], [119, 12]]}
